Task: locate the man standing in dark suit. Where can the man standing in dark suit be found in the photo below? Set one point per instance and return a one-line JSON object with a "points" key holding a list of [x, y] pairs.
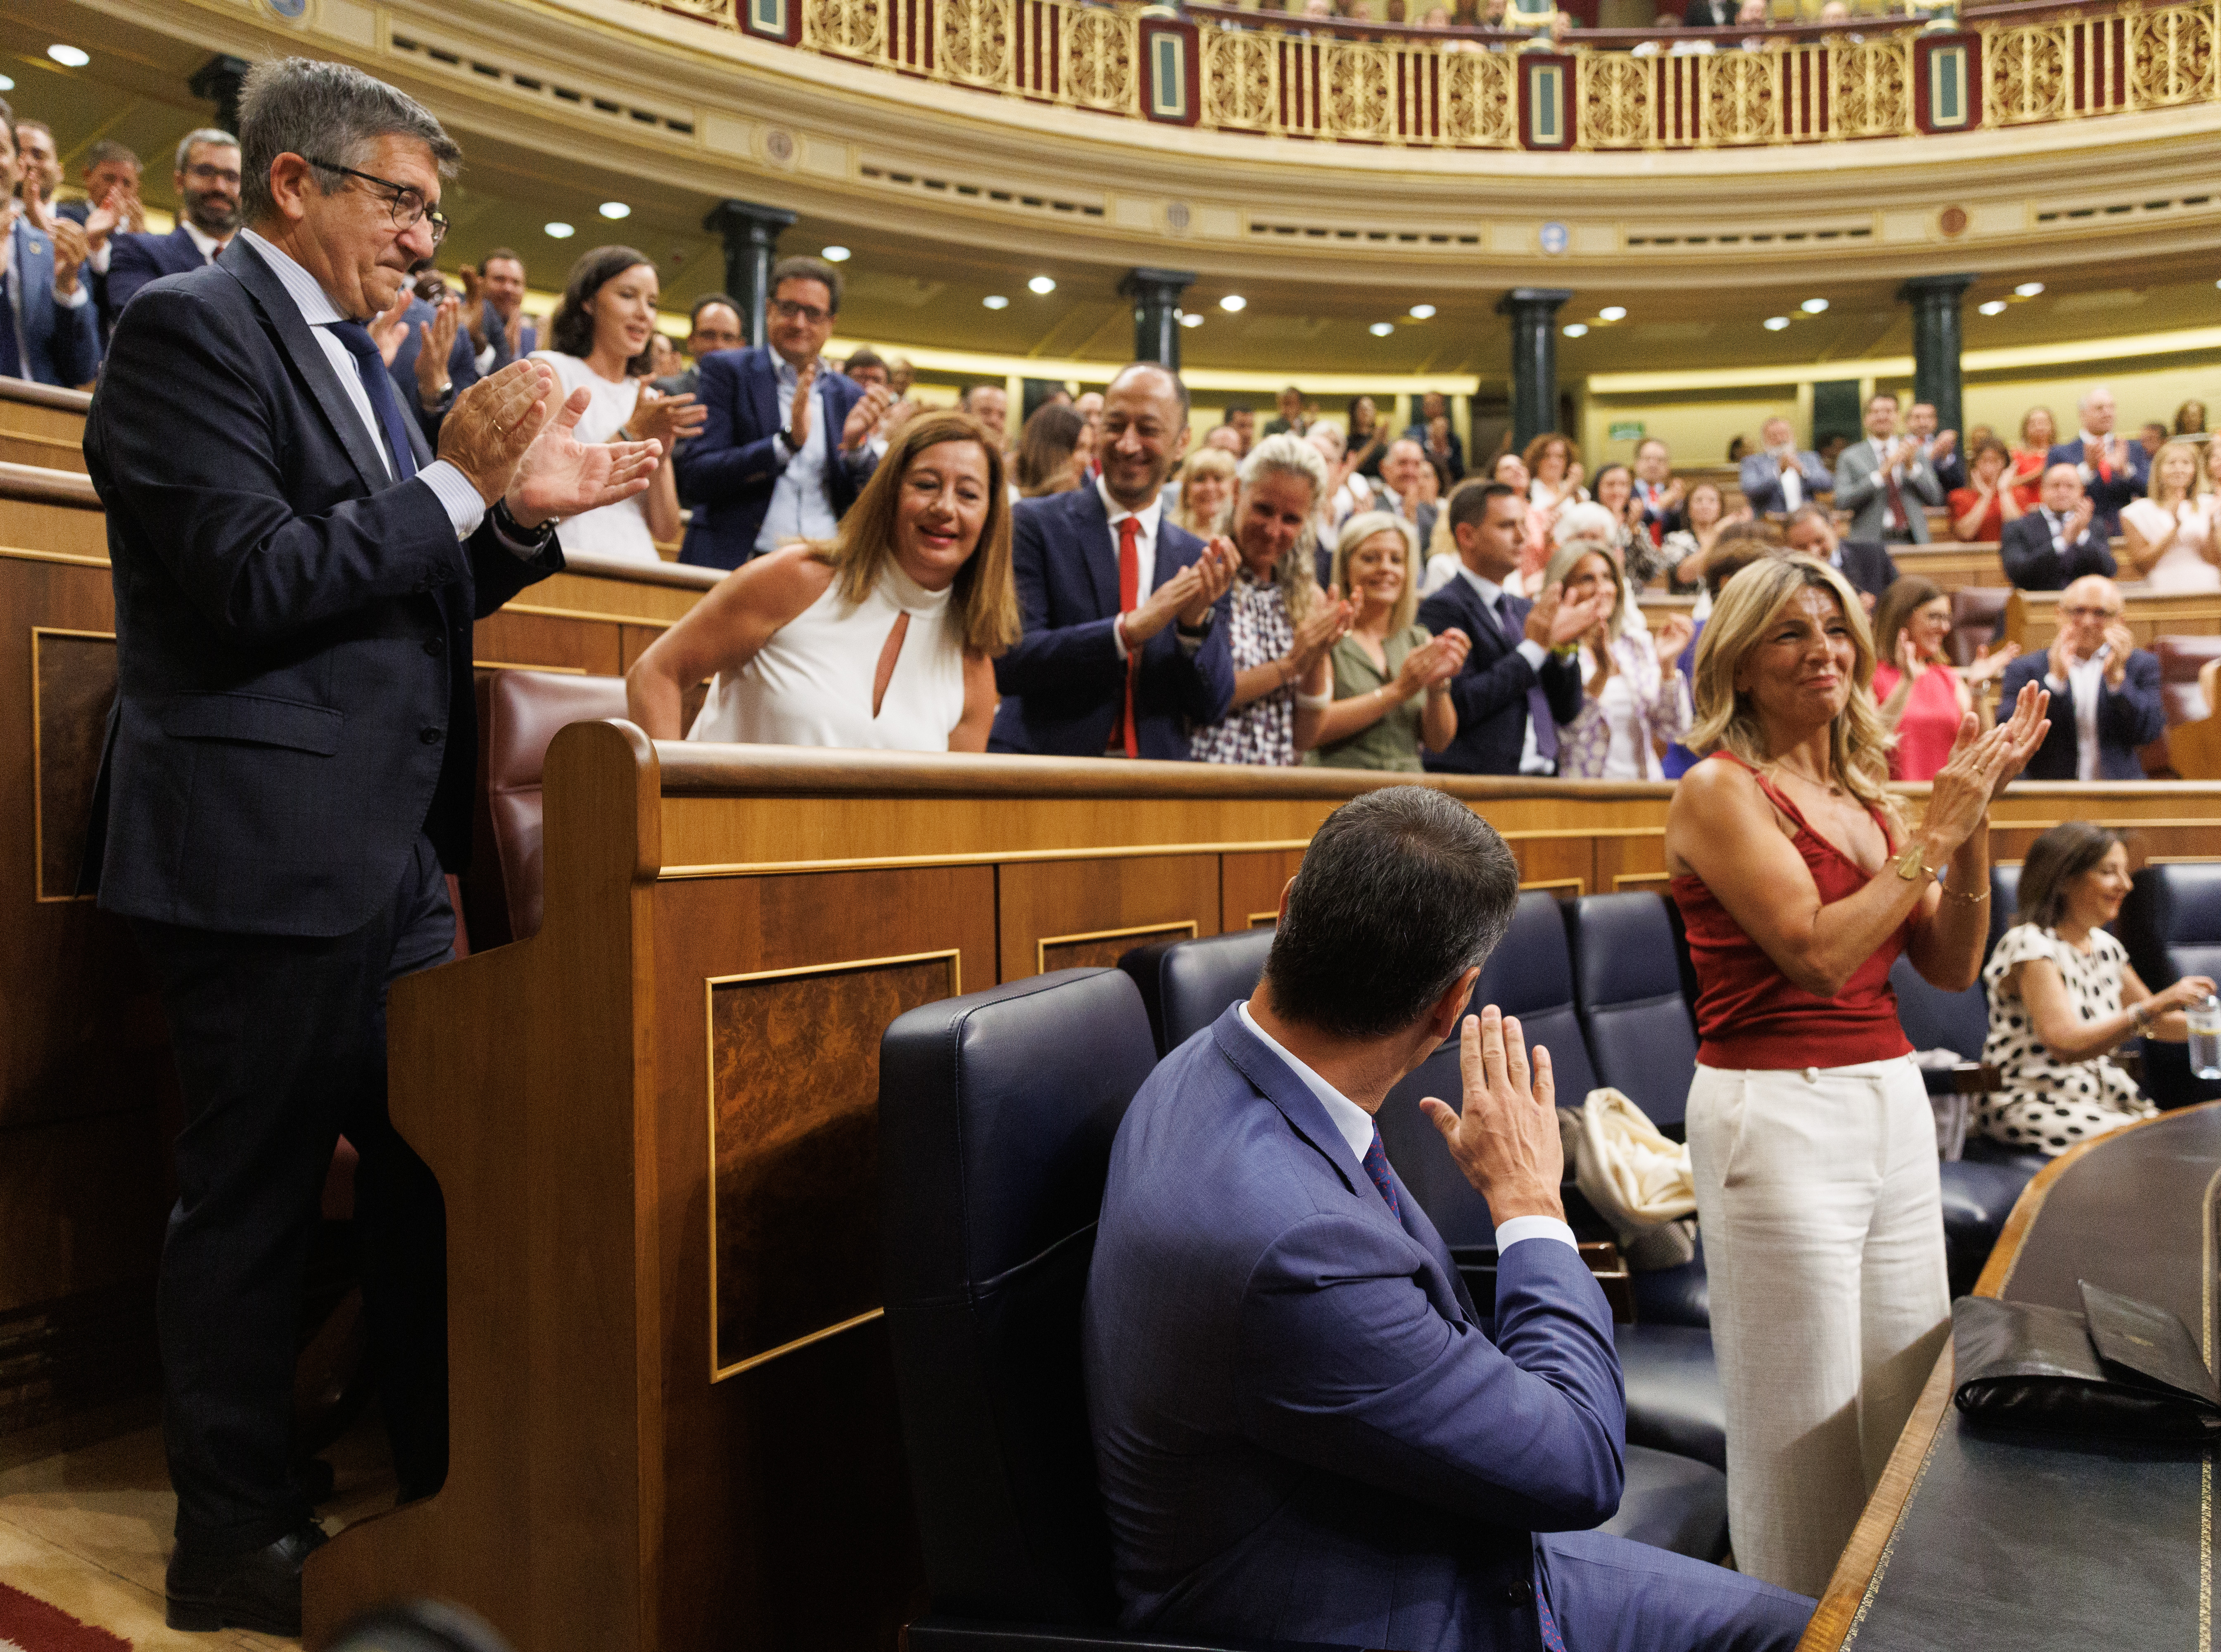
{"points": [[1306, 1430], [2113, 470], [2058, 542], [207, 181], [111, 204], [1884, 483], [2104, 689], [1866, 563], [493, 311], [288, 771], [432, 358], [49, 331], [1515, 689], [1124, 646], [785, 449], [717, 326]]}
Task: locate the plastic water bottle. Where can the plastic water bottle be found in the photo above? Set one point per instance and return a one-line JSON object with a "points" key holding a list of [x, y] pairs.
{"points": [[2205, 1021]]}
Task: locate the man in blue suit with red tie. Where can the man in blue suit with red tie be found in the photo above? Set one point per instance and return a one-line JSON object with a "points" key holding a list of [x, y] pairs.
{"points": [[1304, 1431], [1124, 646], [1515, 688], [2113, 469]]}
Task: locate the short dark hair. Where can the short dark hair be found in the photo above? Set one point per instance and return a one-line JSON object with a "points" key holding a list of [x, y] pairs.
{"points": [[864, 357], [509, 253], [694, 315], [1232, 408], [571, 329], [1468, 501], [106, 150], [1401, 891], [2055, 860], [800, 268]]}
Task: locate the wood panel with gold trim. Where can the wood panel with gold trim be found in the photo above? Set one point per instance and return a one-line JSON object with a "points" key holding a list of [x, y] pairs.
{"points": [[1251, 885], [1065, 913]]}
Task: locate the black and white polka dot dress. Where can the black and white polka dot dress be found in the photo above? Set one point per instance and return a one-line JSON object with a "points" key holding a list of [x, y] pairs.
{"points": [[2047, 1103]]}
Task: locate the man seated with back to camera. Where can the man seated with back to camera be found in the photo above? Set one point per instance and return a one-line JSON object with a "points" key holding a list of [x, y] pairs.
{"points": [[1303, 1427]]}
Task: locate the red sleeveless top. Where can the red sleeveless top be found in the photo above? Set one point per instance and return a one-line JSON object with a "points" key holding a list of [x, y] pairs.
{"points": [[1750, 1014]]}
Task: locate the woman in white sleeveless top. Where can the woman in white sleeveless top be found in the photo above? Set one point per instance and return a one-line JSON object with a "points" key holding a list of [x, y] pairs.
{"points": [[884, 639], [2172, 539]]}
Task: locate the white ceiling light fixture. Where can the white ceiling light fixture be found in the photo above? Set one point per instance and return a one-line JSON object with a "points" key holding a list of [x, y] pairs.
{"points": [[70, 57], [557, 231], [7, 83], [1612, 313], [1995, 307], [2029, 289], [1423, 312], [1775, 323], [1041, 285], [834, 254], [614, 210], [1189, 318], [1577, 330], [1381, 329], [996, 301], [1814, 306], [1234, 304]]}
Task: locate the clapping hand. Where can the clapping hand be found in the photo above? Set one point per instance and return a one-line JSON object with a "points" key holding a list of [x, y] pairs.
{"points": [[1982, 764], [1989, 663], [1432, 666], [71, 249], [1670, 638], [1504, 1136], [665, 419], [1214, 570], [435, 343], [1909, 658], [1553, 622], [389, 330], [1328, 622], [491, 423], [2079, 523], [864, 418], [797, 420], [562, 476], [2123, 641]]}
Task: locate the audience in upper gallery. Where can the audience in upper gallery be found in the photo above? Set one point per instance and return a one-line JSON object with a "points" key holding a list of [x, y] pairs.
{"points": [[1615, 502], [1883, 481], [1203, 498], [1799, 882], [1705, 516], [882, 639], [1634, 701], [1242, 419], [426, 349], [1709, 13], [1781, 478], [1301, 1432], [991, 405], [2063, 998], [1515, 688], [2190, 419], [111, 203], [1122, 671], [1941, 448], [600, 334], [50, 332], [1051, 456], [1661, 493], [2171, 541], [786, 446], [206, 179], [1227, 439], [1922, 696], [2058, 541], [2104, 689], [1434, 406], [2031, 456], [1279, 625], [1388, 679], [1292, 419], [1348, 493], [1866, 563], [1409, 486], [2113, 471], [1981, 509], [1366, 436], [493, 311]]}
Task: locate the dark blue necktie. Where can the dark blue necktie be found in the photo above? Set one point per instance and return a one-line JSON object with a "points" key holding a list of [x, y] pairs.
{"points": [[1376, 1165], [11, 358], [1538, 703], [380, 385]]}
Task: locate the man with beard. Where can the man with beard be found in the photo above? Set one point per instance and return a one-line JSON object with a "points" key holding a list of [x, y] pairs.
{"points": [[207, 182]]}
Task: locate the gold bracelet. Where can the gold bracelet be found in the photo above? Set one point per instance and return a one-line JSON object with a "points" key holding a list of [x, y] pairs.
{"points": [[1961, 894]]}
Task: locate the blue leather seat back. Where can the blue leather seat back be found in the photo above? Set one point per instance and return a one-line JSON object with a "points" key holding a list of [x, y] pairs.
{"points": [[997, 1114], [1197, 979], [1935, 1019], [1627, 979], [2004, 891], [1423, 1158], [2171, 922]]}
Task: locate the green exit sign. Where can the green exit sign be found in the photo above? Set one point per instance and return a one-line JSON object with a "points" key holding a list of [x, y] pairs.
{"points": [[1628, 430]]}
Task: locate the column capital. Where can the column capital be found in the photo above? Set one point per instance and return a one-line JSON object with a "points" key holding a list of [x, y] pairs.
{"points": [[1155, 295], [1146, 283], [1529, 299], [728, 218], [1931, 288]]}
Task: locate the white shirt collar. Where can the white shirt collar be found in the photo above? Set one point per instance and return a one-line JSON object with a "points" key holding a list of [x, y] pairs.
{"points": [[2090, 444], [1490, 592], [1354, 1123], [315, 304], [1150, 514], [207, 243]]}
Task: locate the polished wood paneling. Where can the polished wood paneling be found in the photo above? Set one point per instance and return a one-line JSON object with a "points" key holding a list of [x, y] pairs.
{"points": [[539, 641], [1951, 565], [73, 685], [1067, 904], [2032, 616], [1250, 886]]}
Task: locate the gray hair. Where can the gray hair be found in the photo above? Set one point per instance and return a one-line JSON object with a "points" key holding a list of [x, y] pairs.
{"points": [[1297, 571], [214, 134], [104, 151], [295, 105]]}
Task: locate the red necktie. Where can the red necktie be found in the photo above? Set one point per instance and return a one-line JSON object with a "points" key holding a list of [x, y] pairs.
{"points": [[1130, 599], [2105, 468], [1896, 499]]}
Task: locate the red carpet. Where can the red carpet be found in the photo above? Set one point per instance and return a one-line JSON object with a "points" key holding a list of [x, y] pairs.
{"points": [[28, 1623]]}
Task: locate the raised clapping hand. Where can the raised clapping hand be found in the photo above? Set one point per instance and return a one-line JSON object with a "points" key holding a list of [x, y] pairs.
{"points": [[1432, 666], [1187, 596], [1670, 638], [435, 343], [864, 418], [71, 249], [1909, 658], [1326, 625], [1504, 1136], [1554, 623], [492, 423], [798, 419], [666, 419], [388, 331], [562, 476], [1988, 663], [1983, 762]]}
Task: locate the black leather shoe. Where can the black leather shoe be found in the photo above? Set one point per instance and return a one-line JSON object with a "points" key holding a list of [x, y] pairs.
{"points": [[259, 1590]]}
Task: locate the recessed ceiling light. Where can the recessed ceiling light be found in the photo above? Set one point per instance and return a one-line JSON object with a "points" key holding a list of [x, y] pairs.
{"points": [[1997, 307], [74, 57], [1040, 283], [615, 209], [557, 231], [1775, 323], [1189, 318], [1423, 312], [2028, 289], [7, 83], [1381, 329], [996, 301], [1232, 303], [1577, 330], [834, 254], [1612, 313], [1814, 306]]}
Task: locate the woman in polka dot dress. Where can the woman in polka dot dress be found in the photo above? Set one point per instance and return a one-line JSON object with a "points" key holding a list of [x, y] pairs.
{"points": [[2063, 998]]}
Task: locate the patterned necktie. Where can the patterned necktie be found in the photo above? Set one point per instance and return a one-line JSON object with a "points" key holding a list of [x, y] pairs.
{"points": [[1896, 497], [379, 385], [1130, 599], [11, 360], [1376, 1165], [1538, 703], [1552, 1641]]}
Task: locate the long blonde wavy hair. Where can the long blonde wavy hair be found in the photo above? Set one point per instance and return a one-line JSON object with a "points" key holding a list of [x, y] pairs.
{"points": [[1858, 742]]}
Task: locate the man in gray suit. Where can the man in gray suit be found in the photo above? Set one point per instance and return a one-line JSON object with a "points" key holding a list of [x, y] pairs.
{"points": [[1885, 481]]}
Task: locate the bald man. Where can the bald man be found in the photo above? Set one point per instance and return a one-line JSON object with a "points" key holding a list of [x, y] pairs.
{"points": [[2104, 689], [2114, 469]]}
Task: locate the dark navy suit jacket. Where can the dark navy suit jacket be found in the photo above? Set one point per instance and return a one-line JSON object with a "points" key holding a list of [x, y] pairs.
{"points": [[727, 471], [1491, 692], [1063, 683], [1302, 1431], [2033, 563], [2133, 718], [134, 260], [2106, 497], [60, 347], [294, 703], [462, 367]]}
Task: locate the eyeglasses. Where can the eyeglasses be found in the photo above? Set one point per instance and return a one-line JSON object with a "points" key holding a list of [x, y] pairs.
{"points": [[2090, 613], [410, 208], [207, 173], [787, 310]]}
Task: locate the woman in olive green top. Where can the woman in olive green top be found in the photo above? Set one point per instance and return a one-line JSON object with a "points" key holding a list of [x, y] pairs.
{"points": [[1390, 688]]}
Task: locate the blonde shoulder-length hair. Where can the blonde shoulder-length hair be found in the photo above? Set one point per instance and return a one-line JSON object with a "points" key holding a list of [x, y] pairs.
{"points": [[1296, 573], [1371, 524], [1858, 743], [1567, 557], [985, 596]]}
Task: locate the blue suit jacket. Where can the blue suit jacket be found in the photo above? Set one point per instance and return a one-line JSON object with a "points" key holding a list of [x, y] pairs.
{"points": [[1491, 692], [496, 334], [2131, 718], [2106, 497], [1063, 683], [1301, 1432], [1761, 481], [135, 259], [60, 347], [294, 702], [727, 472]]}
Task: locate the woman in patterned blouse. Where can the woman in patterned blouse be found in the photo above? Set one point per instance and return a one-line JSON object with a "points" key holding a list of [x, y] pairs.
{"points": [[1280, 624], [1633, 699]]}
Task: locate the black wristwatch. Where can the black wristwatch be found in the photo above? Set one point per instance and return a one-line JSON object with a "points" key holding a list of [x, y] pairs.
{"points": [[786, 441], [1195, 632], [509, 527]]}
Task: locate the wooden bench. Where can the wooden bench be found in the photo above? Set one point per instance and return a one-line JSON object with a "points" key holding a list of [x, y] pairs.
{"points": [[42, 426], [2032, 616]]}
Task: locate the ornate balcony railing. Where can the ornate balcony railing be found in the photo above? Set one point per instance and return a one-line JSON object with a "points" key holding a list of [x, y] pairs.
{"points": [[1228, 71]]}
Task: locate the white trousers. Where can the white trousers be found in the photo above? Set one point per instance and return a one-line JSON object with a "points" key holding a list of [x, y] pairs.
{"points": [[1823, 1222]]}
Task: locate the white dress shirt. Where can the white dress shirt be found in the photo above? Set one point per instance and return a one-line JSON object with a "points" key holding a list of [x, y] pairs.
{"points": [[1531, 761], [1151, 518], [1357, 1128], [800, 507], [1793, 486], [2086, 680]]}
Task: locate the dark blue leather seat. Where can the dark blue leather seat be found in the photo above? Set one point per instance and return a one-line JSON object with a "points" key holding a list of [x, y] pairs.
{"points": [[1186, 985], [2004, 895], [1628, 983], [2171, 924]]}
